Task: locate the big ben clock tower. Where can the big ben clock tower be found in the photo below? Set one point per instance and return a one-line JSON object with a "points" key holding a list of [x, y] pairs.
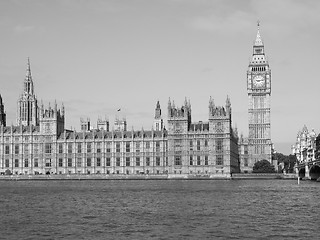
{"points": [[259, 92]]}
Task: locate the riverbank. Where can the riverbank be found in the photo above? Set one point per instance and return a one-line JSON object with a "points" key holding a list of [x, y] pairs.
{"points": [[237, 176]]}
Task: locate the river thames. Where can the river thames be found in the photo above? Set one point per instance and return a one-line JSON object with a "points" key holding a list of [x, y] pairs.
{"points": [[160, 209]]}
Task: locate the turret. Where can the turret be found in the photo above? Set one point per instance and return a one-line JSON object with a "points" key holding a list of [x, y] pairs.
{"points": [[158, 121], [2, 114]]}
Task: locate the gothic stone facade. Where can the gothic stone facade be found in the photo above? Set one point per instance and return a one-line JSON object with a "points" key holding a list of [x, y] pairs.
{"points": [[40, 144]]}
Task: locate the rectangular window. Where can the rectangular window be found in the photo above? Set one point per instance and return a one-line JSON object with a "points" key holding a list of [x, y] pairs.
{"points": [[191, 160], [157, 146], [98, 162], [69, 162], [157, 161], [137, 161], [148, 161], [69, 147], [16, 163], [98, 147], [108, 162], [36, 162], [127, 146], [88, 147], [198, 160], [127, 161], [26, 148], [137, 146], [206, 143], [219, 160], [26, 163], [108, 147], [147, 145], [191, 145], [206, 161], [88, 162], [117, 161], [16, 149], [79, 148], [7, 164], [198, 145], [48, 162], [177, 160], [219, 144], [35, 148], [7, 149], [47, 148], [60, 163], [79, 162], [117, 147]]}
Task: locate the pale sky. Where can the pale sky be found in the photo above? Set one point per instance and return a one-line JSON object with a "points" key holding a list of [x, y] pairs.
{"points": [[100, 55]]}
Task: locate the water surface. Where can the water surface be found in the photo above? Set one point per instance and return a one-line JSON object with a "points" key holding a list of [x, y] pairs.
{"points": [[159, 209]]}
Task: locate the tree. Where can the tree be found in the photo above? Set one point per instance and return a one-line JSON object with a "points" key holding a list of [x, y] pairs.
{"points": [[263, 166]]}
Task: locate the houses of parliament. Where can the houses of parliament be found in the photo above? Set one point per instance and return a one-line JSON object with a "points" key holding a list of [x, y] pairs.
{"points": [[39, 143]]}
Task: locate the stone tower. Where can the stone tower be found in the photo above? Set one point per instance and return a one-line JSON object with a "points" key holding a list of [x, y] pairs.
{"points": [[179, 119], [27, 112], [259, 92], [52, 120], [158, 121], [2, 114]]}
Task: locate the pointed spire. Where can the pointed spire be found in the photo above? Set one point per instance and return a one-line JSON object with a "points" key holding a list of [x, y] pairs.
{"points": [[158, 105], [258, 41]]}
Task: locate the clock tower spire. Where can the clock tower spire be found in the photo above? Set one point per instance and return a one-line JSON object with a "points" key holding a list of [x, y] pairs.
{"points": [[259, 93]]}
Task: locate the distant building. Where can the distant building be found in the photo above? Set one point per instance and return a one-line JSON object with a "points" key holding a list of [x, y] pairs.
{"points": [[40, 143], [305, 147]]}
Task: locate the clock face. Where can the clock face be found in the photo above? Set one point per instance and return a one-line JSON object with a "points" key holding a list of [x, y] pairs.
{"points": [[258, 81]]}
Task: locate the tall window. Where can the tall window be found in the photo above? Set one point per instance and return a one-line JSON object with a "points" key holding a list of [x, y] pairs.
{"points": [[117, 161], [69, 147], [177, 160], [79, 147], [206, 143], [60, 148], [191, 160], [48, 162], [108, 162], [7, 149], [16, 163], [60, 162], [198, 145], [147, 145], [198, 160], [191, 145], [108, 147], [47, 148], [219, 160], [98, 162], [117, 147], [16, 149], [69, 162], [219, 144], [157, 161], [36, 162], [88, 147], [206, 161], [88, 162], [137, 161], [137, 146], [26, 148], [157, 146], [127, 146], [26, 163], [98, 147], [127, 161], [79, 162], [7, 163], [147, 161]]}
